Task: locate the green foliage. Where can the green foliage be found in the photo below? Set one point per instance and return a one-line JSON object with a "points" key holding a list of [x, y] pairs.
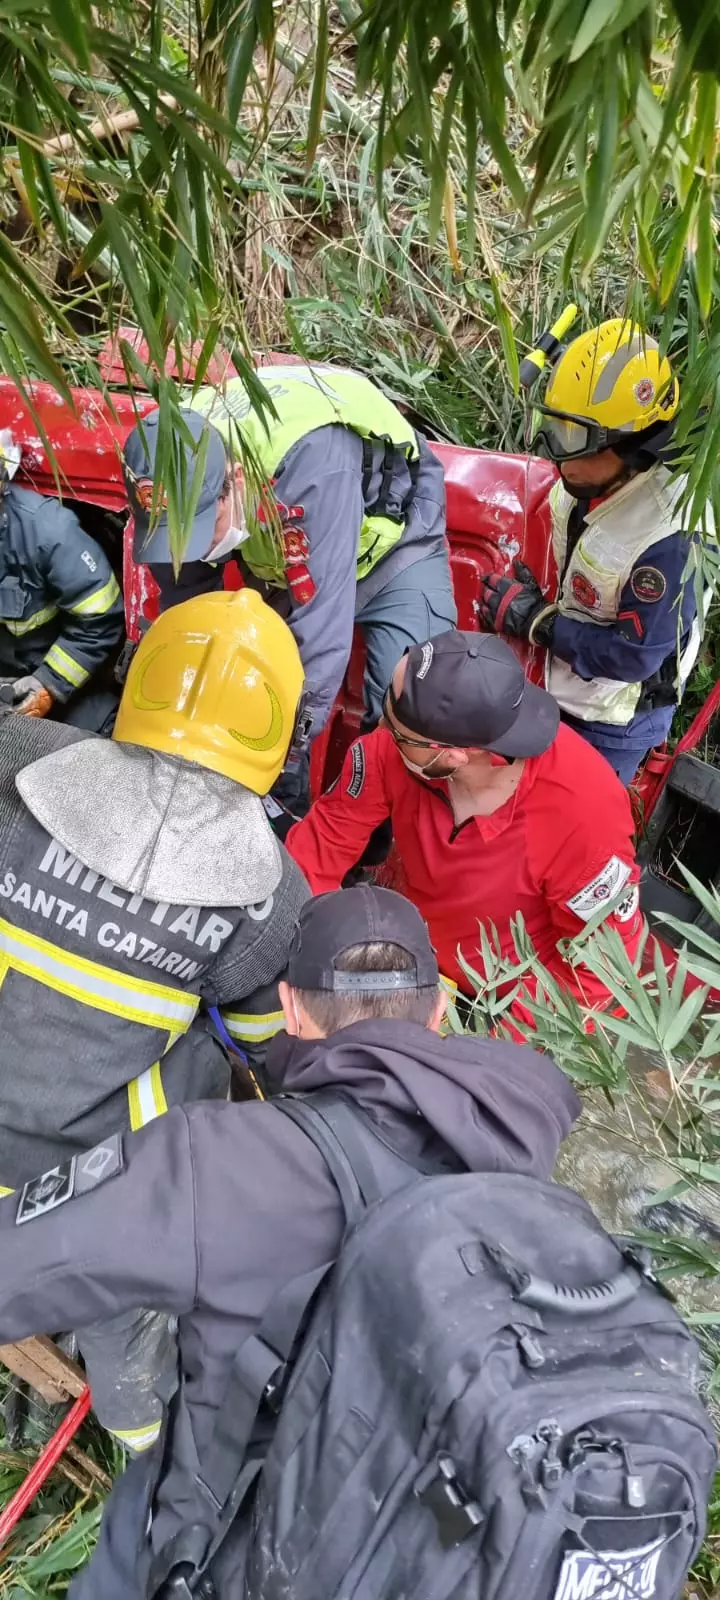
{"points": [[415, 191], [550, 130], [57, 1535]]}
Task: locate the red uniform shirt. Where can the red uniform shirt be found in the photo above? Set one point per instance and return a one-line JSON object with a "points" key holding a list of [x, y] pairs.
{"points": [[554, 852]]}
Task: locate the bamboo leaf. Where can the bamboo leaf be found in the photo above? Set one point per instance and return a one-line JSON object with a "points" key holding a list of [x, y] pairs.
{"points": [[471, 161], [239, 65], [686, 1018], [603, 160], [675, 252], [71, 19], [705, 252], [439, 175], [598, 14], [317, 97], [510, 353], [137, 290]]}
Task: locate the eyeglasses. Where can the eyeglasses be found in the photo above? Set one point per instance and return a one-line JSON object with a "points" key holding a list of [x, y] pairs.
{"points": [[404, 738]]}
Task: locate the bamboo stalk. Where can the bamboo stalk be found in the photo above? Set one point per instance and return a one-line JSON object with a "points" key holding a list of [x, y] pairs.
{"points": [[105, 127], [89, 1467]]}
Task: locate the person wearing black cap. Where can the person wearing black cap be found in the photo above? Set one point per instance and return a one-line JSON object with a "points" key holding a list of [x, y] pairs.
{"points": [[241, 1203], [345, 524], [497, 810]]}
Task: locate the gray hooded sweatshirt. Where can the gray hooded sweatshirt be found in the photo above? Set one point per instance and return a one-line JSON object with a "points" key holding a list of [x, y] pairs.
{"points": [[208, 1212]]}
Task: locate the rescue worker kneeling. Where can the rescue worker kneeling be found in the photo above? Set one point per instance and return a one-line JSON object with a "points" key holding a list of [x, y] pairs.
{"points": [[141, 885], [242, 1204]]}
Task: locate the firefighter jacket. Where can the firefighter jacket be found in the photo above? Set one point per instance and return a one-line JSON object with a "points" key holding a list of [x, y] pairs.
{"points": [[97, 986], [209, 1213], [61, 610], [626, 601]]}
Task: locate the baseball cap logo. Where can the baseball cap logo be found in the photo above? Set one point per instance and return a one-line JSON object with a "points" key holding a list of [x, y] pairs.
{"points": [[143, 490], [426, 662]]}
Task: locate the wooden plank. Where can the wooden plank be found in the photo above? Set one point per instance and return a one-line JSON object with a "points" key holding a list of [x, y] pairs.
{"points": [[38, 1361]]}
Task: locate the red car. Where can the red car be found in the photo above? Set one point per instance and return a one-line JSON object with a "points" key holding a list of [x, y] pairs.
{"points": [[497, 509]]}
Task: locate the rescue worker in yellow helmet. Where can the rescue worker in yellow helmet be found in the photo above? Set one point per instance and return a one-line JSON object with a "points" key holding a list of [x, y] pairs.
{"points": [[141, 890], [623, 634]]}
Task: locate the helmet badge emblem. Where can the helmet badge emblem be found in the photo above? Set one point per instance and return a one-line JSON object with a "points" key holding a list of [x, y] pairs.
{"points": [[644, 392]]}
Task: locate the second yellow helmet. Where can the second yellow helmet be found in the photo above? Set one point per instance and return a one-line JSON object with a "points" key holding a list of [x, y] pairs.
{"points": [[610, 384], [218, 681]]}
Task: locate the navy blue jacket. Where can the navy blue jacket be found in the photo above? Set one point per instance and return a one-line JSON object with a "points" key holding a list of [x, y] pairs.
{"points": [[61, 610]]}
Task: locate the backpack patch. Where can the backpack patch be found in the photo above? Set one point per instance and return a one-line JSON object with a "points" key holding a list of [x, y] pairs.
{"points": [[624, 1574]]}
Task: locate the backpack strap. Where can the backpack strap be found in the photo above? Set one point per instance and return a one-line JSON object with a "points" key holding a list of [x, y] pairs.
{"points": [[227, 1472], [378, 1168], [327, 1122]]}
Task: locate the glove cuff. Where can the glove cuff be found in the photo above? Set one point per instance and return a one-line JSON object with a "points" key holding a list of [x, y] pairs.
{"points": [[542, 626]]}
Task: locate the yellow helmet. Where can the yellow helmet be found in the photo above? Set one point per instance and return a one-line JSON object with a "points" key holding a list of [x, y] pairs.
{"points": [[608, 387], [218, 681]]}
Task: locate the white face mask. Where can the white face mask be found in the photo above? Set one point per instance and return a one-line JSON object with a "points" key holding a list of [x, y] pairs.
{"points": [[229, 542], [422, 772]]}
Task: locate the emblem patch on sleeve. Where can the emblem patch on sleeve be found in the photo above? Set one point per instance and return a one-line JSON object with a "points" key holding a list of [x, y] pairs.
{"points": [[601, 889], [648, 584], [71, 1178], [45, 1193], [357, 776], [96, 1166]]}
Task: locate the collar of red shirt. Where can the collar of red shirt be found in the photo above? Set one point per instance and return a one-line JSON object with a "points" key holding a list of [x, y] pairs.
{"points": [[498, 821]]}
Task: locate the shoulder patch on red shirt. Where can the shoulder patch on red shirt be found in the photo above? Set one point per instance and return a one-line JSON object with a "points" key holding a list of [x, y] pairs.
{"points": [[601, 889], [357, 776], [648, 584]]}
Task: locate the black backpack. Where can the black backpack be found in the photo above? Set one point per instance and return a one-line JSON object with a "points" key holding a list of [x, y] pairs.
{"points": [[492, 1401]]}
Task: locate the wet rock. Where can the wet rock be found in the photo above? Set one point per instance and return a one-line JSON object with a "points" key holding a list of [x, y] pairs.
{"points": [[617, 1158]]}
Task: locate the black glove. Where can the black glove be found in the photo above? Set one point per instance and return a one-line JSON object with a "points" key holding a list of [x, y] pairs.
{"points": [[517, 606]]}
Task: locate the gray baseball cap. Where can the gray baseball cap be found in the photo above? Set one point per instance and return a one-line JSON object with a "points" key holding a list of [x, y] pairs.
{"points": [[151, 540]]}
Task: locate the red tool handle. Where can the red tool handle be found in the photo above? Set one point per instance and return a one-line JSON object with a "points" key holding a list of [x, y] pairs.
{"points": [[42, 1468]]}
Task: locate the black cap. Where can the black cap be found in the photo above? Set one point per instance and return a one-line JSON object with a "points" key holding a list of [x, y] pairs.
{"points": [[336, 922], [469, 690], [151, 541]]}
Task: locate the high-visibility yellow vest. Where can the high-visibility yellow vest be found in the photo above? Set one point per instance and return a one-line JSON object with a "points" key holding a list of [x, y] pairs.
{"points": [[306, 398]]}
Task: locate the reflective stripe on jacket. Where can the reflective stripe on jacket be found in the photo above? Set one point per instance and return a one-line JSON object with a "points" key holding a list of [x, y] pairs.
{"points": [[61, 610], [101, 991]]}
